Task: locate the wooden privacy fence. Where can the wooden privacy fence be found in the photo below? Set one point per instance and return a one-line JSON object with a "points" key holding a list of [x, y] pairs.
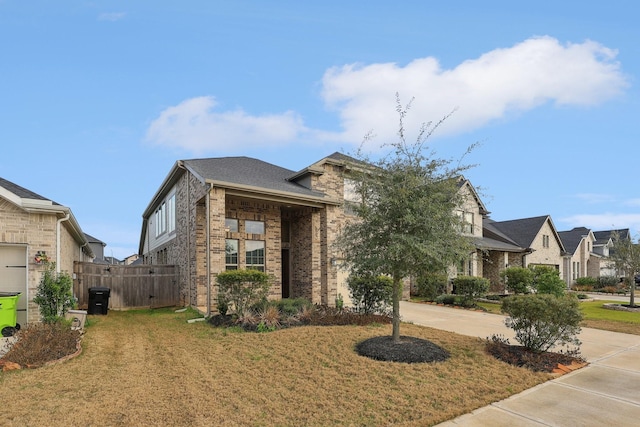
{"points": [[131, 286]]}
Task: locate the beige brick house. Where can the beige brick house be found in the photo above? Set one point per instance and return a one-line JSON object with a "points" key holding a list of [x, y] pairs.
{"points": [[580, 260], [30, 226], [214, 214], [520, 243]]}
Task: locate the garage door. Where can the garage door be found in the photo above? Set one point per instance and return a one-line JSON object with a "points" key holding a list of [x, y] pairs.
{"points": [[13, 276]]}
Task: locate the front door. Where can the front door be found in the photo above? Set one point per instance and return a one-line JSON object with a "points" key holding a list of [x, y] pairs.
{"points": [[285, 273]]}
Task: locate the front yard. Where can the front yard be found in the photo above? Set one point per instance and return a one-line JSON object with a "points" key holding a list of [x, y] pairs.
{"points": [[154, 368]]}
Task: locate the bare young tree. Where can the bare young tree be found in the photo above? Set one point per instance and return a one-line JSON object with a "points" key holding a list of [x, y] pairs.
{"points": [[625, 255]]}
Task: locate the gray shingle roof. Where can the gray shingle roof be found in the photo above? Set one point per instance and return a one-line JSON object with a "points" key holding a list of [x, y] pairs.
{"points": [[572, 238], [246, 171], [602, 237], [21, 191], [521, 231]]}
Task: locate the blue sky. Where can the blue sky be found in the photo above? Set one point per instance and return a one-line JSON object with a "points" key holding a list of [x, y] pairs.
{"points": [[98, 99]]}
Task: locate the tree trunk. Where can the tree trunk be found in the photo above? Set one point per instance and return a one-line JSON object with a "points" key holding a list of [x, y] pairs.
{"points": [[632, 296], [397, 295]]}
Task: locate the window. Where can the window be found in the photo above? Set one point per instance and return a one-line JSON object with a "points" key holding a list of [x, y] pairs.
{"points": [[467, 219], [285, 228], [545, 241], [171, 213], [465, 267], [468, 223], [352, 199], [576, 270], [231, 254], [254, 250], [231, 224], [254, 227], [161, 219]]}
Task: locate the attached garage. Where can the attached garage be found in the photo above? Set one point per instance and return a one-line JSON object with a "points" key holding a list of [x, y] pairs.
{"points": [[13, 276], [31, 225]]}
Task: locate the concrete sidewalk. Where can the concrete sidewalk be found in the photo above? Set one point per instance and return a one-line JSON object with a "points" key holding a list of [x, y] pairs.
{"points": [[604, 393]]}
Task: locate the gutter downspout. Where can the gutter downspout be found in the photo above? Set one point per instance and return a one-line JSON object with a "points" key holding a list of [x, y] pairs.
{"points": [[208, 240], [66, 218]]}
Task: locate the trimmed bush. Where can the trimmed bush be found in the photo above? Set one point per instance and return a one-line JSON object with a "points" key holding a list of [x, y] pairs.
{"points": [[546, 280], [587, 281], [431, 285], [542, 321], [517, 279], [241, 289], [370, 294], [470, 288]]}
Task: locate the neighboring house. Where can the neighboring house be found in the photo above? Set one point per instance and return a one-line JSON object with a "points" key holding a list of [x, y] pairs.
{"points": [[34, 228], [499, 252], [579, 259], [216, 214], [97, 246], [130, 259], [472, 213], [526, 242], [603, 246]]}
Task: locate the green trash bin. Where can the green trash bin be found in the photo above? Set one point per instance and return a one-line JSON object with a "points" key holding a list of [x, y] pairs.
{"points": [[9, 313]]}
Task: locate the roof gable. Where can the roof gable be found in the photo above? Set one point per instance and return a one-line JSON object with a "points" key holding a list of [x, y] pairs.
{"points": [[603, 237], [571, 239], [524, 231]]}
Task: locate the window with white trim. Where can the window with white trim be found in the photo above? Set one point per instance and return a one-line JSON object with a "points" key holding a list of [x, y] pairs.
{"points": [[161, 219], [231, 254], [254, 252], [171, 213]]}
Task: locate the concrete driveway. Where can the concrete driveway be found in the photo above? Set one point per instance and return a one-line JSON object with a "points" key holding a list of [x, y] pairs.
{"points": [[604, 393]]}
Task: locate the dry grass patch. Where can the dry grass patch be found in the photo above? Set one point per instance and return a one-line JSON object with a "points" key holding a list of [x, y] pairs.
{"points": [[153, 368]]}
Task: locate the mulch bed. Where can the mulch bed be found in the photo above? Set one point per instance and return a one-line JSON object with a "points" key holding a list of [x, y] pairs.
{"points": [[539, 362], [406, 350]]}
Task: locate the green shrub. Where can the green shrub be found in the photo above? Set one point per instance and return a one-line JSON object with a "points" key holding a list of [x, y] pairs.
{"points": [[586, 281], [431, 285], [518, 280], [447, 299], [54, 295], [291, 306], [603, 281], [470, 288], [370, 294], [546, 280], [542, 321], [242, 289]]}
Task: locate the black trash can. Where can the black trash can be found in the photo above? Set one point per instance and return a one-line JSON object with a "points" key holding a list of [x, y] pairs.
{"points": [[98, 300]]}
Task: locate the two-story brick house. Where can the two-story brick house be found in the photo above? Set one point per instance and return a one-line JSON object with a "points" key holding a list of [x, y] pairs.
{"points": [[210, 215], [522, 243], [33, 228]]}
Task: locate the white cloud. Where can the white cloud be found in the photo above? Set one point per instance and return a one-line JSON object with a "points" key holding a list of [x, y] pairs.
{"points": [[501, 82], [111, 16], [595, 198], [195, 126], [604, 221]]}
